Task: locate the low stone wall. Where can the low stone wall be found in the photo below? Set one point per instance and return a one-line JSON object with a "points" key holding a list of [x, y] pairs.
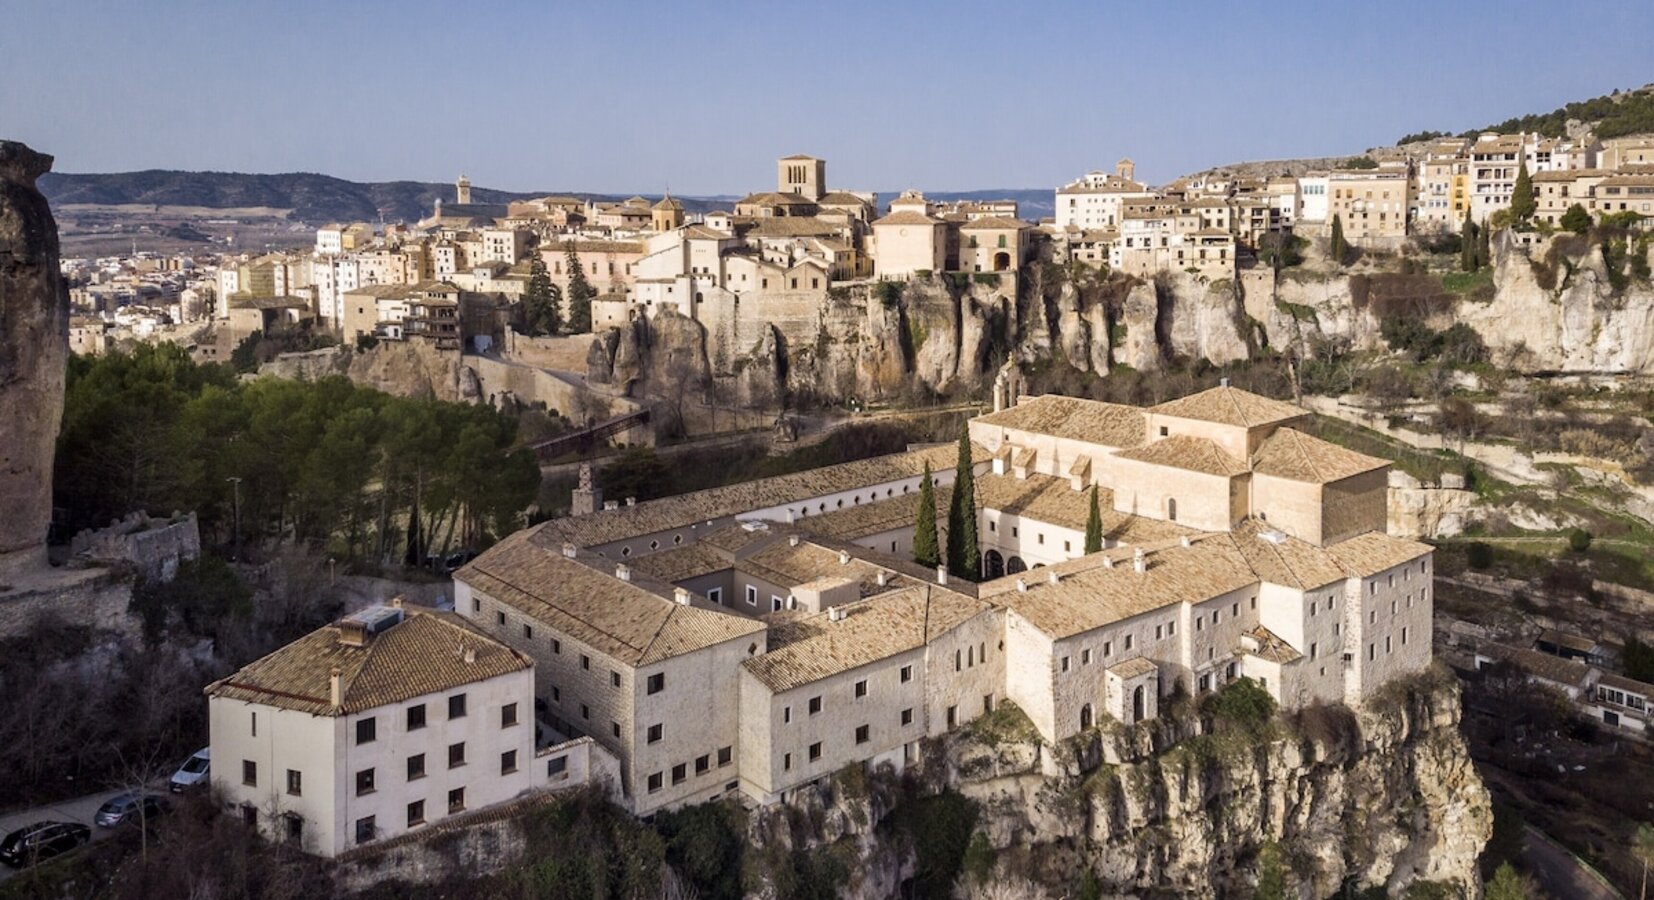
{"points": [[97, 597], [152, 547]]}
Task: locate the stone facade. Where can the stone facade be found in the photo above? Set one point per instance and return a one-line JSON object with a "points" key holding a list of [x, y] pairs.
{"points": [[153, 547]]}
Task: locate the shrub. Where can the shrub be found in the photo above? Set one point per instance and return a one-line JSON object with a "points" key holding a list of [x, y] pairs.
{"points": [[1478, 555], [1242, 702], [1579, 540]]}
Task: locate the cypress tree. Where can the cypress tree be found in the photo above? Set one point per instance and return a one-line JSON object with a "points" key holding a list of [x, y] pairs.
{"points": [[926, 550], [580, 295], [1467, 243], [963, 558], [1340, 249], [541, 300], [1094, 525], [1522, 203], [1484, 250]]}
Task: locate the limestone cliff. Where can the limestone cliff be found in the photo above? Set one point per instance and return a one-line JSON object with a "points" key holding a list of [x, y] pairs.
{"points": [[34, 353], [1382, 797], [402, 368]]}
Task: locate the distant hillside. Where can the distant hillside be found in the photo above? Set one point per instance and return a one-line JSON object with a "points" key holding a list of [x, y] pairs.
{"points": [[1615, 115], [1032, 203], [314, 199]]}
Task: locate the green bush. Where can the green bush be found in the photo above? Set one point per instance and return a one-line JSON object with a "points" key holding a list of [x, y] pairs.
{"points": [[1579, 540], [1242, 702]]}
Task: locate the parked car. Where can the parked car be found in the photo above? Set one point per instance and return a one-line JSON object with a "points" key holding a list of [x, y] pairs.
{"points": [[193, 773], [41, 841], [131, 807]]}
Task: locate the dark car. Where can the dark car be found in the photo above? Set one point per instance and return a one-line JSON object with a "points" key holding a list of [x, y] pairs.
{"points": [[40, 841], [131, 806]]}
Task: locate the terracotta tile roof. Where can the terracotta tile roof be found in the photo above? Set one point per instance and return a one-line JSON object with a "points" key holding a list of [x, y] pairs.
{"points": [[1284, 560], [1554, 669], [423, 654], [1136, 667], [705, 233], [782, 563], [814, 647], [1270, 646], [842, 198], [1576, 642], [681, 563], [1609, 679], [794, 226], [1193, 454], [907, 217], [1075, 418], [624, 619], [701, 507], [1230, 406], [1289, 453], [855, 522], [994, 223], [1375, 551], [1089, 595]]}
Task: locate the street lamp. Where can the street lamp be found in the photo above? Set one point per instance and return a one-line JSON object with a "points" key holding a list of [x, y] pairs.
{"points": [[235, 483]]}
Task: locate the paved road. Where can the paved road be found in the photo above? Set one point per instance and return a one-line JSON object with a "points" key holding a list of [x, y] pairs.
{"points": [[80, 809], [1559, 873]]}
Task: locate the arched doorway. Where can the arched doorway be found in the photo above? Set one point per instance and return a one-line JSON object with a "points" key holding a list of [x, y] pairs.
{"points": [[993, 564], [1171, 509], [1137, 704], [1085, 717], [1002, 261], [1015, 565]]}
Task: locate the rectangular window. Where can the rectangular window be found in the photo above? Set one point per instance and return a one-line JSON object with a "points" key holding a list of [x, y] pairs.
{"points": [[1085, 657], [366, 730], [679, 773], [655, 733], [752, 595], [953, 716], [725, 754], [499, 617], [456, 755], [528, 631], [657, 683], [861, 734], [1065, 664], [456, 706], [416, 717], [614, 679], [614, 728], [703, 764], [556, 646], [364, 829], [416, 813], [508, 762], [1128, 642], [416, 767], [907, 716], [364, 782], [508, 715], [585, 662], [815, 751], [815, 705], [786, 762], [786, 715], [907, 674], [556, 766], [1108, 648], [249, 773], [456, 801], [655, 782], [295, 782], [861, 688]]}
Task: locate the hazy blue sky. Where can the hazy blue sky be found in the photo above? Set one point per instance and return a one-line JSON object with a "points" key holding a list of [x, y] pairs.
{"points": [[703, 96]]}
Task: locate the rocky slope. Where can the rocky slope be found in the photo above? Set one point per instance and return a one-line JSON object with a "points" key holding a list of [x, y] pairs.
{"points": [[403, 368], [1384, 797]]}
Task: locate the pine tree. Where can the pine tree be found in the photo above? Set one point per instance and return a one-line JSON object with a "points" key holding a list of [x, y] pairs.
{"points": [[963, 558], [580, 294], [1506, 885], [1094, 525], [1340, 248], [1522, 203], [541, 300], [926, 550], [1467, 243], [1576, 219]]}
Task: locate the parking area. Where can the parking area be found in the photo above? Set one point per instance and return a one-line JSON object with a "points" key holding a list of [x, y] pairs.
{"points": [[80, 809]]}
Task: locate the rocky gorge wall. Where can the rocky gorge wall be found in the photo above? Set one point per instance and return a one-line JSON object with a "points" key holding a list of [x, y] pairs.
{"points": [[1385, 796]]}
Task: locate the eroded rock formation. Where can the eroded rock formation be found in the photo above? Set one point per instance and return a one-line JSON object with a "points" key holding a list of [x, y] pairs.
{"points": [[34, 351]]}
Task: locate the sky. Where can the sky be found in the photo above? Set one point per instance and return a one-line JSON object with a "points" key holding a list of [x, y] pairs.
{"points": [[702, 97]]}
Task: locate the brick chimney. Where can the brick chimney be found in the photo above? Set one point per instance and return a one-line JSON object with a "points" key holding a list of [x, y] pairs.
{"points": [[335, 687]]}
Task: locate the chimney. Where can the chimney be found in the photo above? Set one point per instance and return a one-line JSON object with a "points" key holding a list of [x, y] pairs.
{"points": [[1140, 562], [1108, 562], [1053, 577], [623, 572], [611, 504], [681, 595], [882, 578], [942, 575], [631, 501], [1184, 540], [834, 614], [335, 687], [792, 540], [1022, 586], [844, 557], [569, 550], [469, 654], [396, 602], [1224, 381]]}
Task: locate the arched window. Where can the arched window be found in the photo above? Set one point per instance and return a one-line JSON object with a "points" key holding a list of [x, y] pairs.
{"points": [[1085, 717], [1015, 565], [993, 564], [1171, 509]]}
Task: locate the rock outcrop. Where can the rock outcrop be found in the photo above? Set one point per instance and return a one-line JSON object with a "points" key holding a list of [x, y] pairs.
{"points": [[1382, 797], [402, 368], [34, 353]]}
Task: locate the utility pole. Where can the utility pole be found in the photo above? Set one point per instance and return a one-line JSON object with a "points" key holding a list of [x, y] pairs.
{"points": [[235, 483]]}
